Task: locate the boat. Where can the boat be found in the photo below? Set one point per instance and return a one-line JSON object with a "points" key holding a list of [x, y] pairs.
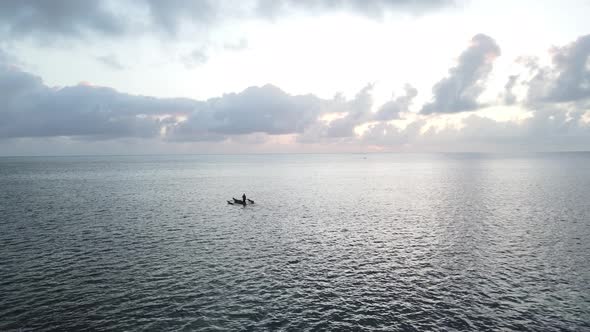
{"points": [[239, 201]]}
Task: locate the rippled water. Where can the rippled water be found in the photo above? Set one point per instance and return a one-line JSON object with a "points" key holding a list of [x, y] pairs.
{"points": [[334, 242]]}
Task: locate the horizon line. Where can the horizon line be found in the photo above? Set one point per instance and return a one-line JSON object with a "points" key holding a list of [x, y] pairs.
{"points": [[293, 153]]}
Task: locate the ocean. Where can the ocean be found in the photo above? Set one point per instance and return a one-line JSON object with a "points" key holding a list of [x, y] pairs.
{"points": [[368, 242]]}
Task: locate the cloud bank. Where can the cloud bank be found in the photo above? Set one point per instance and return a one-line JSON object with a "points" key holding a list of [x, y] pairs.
{"points": [[557, 105]]}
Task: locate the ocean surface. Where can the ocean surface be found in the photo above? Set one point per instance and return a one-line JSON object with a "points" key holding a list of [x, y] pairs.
{"points": [[373, 242]]}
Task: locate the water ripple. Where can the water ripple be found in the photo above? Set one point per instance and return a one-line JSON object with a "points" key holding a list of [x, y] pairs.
{"points": [[394, 244]]}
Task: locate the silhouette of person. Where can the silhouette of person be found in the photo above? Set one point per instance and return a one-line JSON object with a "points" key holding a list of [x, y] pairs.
{"points": [[244, 199]]}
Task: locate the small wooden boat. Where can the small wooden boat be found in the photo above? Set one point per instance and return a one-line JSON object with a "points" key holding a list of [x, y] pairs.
{"points": [[239, 201]]}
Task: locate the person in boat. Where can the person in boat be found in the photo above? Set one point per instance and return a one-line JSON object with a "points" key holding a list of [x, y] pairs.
{"points": [[244, 199]]}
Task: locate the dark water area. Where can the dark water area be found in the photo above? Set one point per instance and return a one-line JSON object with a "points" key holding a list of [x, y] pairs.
{"points": [[376, 242]]}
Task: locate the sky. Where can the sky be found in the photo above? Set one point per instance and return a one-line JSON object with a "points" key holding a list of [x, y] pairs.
{"points": [[289, 76]]}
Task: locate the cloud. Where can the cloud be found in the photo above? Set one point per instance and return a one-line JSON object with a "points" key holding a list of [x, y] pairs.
{"points": [[47, 20], [386, 135], [200, 55], [509, 96], [168, 16], [373, 9], [568, 80], [32, 109], [392, 109], [69, 112], [265, 109], [16, 85], [66, 18], [6, 58], [548, 129], [110, 61], [259, 114], [344, 116], [572, 81], [356, 111], [458, 92]]}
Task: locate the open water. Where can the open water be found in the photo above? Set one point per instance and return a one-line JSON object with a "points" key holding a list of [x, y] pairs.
{"points": [[375, 242]]}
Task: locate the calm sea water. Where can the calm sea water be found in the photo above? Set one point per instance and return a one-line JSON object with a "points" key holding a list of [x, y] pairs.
{"points": [[334, 242]]}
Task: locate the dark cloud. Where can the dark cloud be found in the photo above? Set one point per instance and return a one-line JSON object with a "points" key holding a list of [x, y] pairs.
{"points": [[68, 112], [265, 109], [568, 80], [70, 18], [31, 109], [16, 86], [6, 58], [48, 20], [169, 15], [110, 61], [458, 92]]}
